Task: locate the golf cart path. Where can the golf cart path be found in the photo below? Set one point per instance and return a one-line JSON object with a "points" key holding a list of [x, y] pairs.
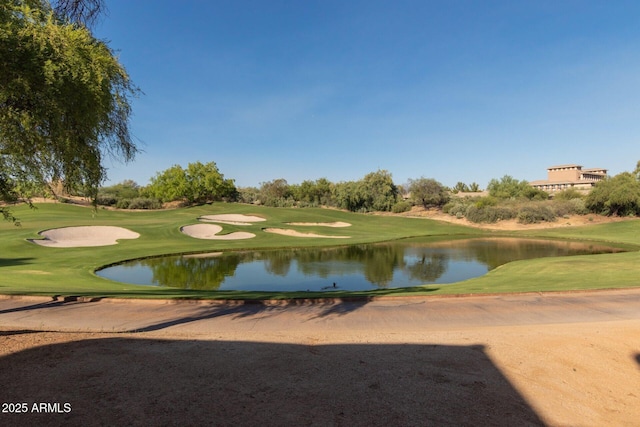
{"points": [[418, 314]]}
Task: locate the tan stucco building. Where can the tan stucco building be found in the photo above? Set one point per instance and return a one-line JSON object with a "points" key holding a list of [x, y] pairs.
{"points": [[569, 176]]}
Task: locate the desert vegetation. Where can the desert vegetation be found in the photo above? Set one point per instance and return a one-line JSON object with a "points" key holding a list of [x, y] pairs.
{"points": [[506, 198]]}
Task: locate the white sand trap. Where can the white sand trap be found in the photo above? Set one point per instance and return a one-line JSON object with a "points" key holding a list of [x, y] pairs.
{"points": [[210, 232], [84, 236], [294, 233], [322, 224], [235, 219]]}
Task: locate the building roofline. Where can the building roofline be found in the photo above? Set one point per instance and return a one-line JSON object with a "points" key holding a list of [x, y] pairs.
{"points": [[565, 166]]}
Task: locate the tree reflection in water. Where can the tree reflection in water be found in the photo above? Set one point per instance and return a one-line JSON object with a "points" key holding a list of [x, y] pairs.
{"points": [[405, 263]]}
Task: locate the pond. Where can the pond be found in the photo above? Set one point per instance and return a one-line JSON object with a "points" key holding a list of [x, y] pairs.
{"points": [[403, 263]]}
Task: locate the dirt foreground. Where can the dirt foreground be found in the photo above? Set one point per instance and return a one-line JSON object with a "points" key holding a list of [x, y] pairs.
{"points": [[537, 359]]}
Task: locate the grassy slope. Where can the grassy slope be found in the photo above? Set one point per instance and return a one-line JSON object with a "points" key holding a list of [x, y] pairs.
{"points": [[31, 269]]}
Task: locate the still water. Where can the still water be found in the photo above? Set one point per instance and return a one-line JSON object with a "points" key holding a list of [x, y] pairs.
{"points": [[404, 263]]}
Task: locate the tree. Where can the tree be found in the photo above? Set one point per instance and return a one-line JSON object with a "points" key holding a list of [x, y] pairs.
{"points": [[619, 195], [428, 192], [205, 184], [275, 193], [81, 12], [510, 188], [64, 101], [199, 183], [379, 191], [461, 187], [314, 193], [349, 195]]}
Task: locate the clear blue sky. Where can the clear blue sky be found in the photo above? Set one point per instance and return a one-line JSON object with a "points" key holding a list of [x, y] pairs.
{"points": [[452, 90]]}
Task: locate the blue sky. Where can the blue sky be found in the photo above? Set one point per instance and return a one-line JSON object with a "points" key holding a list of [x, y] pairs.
{"points": [[453, 90]]}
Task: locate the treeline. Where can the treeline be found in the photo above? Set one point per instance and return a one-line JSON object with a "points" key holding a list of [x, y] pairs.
{"points": [[376, 191], [507, 198], [203, 183]]}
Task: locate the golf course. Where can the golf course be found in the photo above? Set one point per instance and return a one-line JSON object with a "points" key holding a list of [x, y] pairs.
{"points": [[37, 270]]}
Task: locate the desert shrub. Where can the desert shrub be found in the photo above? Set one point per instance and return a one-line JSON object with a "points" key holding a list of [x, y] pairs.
{"points": [[534, 213], [123, 204], [280, 202], [489, 214], [456, 208], [248, 194], [579, 206], [305, 204], [483, 202], [508, 187], [400, 207], [568, 194], [106, 199], [448, 206], [569, 207], [144, 203], [532, 193]]}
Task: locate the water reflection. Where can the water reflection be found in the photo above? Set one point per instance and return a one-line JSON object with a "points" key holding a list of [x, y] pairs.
{"points": [[403, 263]]}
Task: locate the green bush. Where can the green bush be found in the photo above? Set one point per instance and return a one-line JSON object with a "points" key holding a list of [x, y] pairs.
{"points": [[619, 196], [144, 203], [456, 208], [123, 204], [483, 202], [106, 199], [279, 202], [568, 194], [535, 213], [569, 207], [489, 214], [400, 207]]}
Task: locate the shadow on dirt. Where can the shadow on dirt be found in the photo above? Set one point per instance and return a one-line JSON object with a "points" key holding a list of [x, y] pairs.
{"points": [[18, 332], [258, 309], [56, 301], [196, 310], [122, 381]]}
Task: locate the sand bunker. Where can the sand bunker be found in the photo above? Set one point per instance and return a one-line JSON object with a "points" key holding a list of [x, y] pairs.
{"points": [[84, 236], [210, 232], [294, 233], [322, 224], [235, 219]]}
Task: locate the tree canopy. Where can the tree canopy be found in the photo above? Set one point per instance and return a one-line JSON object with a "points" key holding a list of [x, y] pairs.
{"points": [[428, 192], [509, 187], [619, 195], [198, 183], [64, 101]]}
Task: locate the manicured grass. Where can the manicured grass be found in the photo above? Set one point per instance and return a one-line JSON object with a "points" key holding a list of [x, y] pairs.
{"points": [[29, 269]]}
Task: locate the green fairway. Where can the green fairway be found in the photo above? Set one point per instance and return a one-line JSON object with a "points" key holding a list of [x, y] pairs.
{"points": [[30, 269]]}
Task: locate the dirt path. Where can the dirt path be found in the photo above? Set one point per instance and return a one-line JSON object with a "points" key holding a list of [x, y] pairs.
{"points": [[554, 359]]}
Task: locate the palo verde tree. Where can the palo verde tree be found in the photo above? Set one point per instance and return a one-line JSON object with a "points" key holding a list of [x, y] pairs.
{"points": [[64, 101]]}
